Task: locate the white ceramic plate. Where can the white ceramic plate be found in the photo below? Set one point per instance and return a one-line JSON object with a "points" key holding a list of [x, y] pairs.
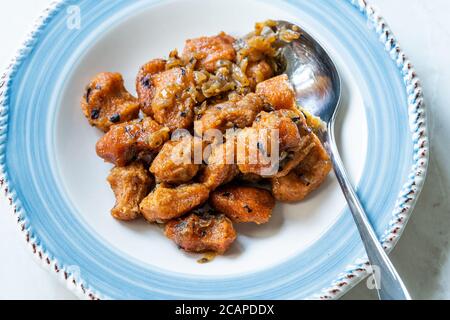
{"points": [[58, 185]]}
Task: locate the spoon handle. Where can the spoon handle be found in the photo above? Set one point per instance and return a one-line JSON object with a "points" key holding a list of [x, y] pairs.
{"points": [[389, 284]]}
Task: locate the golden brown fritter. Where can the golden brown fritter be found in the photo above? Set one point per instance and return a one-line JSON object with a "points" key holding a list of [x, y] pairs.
{"points": [[305, 178], [287, 122], [253, 153], [243, 204], [175, 162], [221, 167], [130, 185], [165, 202], [258, 72], [237, 113], [123, 142], [209, 50], [195, 233], [106, 101], [278, 92], [291, 160], [279, 129], [144, 83], [168, 96]]}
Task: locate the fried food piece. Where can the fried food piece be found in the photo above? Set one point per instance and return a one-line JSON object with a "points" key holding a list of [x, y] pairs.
{"points": [[258, 72], [291, 160], [175, 162], [107, 102], [123, 142], [243, 204], [305, 178], [221, 166], [130, 185], [165, 202], [209, 50], [278, 92], [195, 233], [288, 123], [236, 113], [253, 156], [250, 177], [168, 96], [144, 83], [280, 130], [174, 99]]}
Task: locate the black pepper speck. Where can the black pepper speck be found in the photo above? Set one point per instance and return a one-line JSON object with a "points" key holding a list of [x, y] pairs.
{"points": [[115, 118], [95, 113], [88, 94], [146, 81]]}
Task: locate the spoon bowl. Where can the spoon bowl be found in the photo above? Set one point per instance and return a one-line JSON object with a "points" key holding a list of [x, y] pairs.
{"points": [[313, 75]]}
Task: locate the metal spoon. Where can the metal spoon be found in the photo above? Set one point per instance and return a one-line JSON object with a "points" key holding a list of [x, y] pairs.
{"points": [[318, 89]]}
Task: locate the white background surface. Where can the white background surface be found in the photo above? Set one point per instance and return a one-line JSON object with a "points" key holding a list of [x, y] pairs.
{"points": [[422, 255]]}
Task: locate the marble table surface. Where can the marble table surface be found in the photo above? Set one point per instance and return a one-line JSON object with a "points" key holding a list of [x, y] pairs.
{"points": [[422, 255]]}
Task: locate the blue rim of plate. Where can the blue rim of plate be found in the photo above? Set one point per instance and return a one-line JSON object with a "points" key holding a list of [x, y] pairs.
{"points": [[343, 280]]}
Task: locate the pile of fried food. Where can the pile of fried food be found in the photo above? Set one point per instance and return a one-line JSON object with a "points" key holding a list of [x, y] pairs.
{"points": [[219, 83]]}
